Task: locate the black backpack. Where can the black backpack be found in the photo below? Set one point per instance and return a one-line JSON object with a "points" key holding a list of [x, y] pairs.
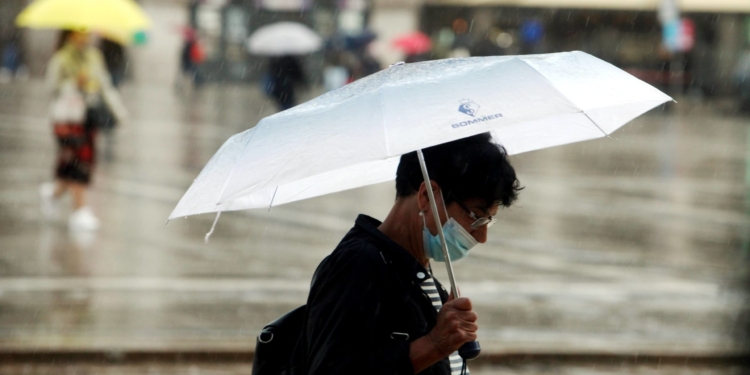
{"points": [[276, 344], [278, 348]]}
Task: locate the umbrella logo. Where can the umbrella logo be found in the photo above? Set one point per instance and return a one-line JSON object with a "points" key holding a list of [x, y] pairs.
{"points": [[468, 107]]}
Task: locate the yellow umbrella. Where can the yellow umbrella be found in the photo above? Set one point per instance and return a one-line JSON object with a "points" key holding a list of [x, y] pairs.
{"points": [[124, 15]]}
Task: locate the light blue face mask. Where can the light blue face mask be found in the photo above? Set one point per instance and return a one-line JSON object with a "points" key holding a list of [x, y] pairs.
{"points": [[459, 241]]}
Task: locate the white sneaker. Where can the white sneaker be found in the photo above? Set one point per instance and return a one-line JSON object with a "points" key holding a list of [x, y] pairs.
{"points": [[49, 205], [83, 219]]}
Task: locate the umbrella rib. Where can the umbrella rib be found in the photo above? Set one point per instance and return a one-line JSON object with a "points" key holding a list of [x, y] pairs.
{"points": [[563, 95], [595, 124], [272, 198], [234, 166]]}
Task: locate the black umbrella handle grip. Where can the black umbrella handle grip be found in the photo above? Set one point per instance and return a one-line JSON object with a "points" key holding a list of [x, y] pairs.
{"points": [[470, 350]]}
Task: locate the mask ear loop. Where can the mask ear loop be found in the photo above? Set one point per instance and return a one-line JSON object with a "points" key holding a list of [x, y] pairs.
{"points": [[421, 213], [445, 208], [424, 225]]}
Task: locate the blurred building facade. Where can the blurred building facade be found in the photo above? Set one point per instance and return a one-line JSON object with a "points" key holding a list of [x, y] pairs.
{"points": [[627, 34]]}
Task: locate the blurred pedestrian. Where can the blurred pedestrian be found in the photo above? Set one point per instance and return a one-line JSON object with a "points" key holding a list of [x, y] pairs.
{"points": [[413, 58], [741, 77], [366, 311], [368, 63], [11, 63], [334, 77], [191, 58], [284, 73], [82, 90], [115, 59], [363, 63]]}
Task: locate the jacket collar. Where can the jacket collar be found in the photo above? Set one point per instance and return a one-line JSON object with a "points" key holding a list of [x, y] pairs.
{"points": [[393, 253]]}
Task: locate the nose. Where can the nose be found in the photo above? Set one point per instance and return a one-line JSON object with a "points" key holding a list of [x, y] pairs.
{"points": [[480, 234]]}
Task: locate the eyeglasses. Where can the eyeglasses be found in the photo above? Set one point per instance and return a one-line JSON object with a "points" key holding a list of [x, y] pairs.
{"points": [[478, 221]]}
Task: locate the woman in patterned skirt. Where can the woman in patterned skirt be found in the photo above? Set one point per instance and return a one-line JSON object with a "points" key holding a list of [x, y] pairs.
{"points": [[83, 97]]}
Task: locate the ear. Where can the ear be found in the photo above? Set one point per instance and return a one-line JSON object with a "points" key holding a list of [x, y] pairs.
{"points": [[423, 200]]}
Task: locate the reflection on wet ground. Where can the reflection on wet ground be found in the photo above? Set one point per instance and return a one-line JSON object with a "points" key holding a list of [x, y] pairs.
{"points": [[632, 244], [232, 369]]}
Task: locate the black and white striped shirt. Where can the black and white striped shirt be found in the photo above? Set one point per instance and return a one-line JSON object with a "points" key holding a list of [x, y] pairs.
{"points": [[429, 287]]}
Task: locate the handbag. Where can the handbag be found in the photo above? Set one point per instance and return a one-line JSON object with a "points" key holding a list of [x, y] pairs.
{"points": [[68, 107], [101, 117], [275, 345]]}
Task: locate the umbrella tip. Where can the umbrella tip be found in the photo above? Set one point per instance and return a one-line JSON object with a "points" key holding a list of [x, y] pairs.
{"points": [[208, 235]]}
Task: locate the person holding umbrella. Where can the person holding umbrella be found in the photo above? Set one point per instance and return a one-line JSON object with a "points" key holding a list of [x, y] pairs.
{"points": [[367, 311], [282, 42], [374, 306], [82, 88]]}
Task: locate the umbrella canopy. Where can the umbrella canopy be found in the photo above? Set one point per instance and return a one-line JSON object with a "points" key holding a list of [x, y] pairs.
{"points": [[415, 43], [124, 16], [354, 136], [284, 38]]}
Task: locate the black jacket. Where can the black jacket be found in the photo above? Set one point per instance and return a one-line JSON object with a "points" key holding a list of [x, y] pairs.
{"points": [[366, 306]]}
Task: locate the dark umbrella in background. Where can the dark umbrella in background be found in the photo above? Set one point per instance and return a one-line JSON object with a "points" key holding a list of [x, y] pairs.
{"points": [[349, 59], [351, 42]]}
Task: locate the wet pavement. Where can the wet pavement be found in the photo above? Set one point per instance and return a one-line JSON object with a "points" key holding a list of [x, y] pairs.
{"points": [[224, 369], [630, 245]]}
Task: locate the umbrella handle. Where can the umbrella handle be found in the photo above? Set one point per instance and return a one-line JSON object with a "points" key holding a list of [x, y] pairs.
{"points": [[433, 206], [469, 350]]}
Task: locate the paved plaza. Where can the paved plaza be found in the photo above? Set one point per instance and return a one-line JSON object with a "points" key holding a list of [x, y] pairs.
{"points": [[631, 244], [237, 369]]}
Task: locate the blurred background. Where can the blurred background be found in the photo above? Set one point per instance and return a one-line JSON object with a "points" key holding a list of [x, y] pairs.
{"points": [[623, 255]]}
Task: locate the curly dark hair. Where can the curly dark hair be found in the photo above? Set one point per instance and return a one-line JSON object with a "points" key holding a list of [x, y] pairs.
{"points": [[467, 168]]}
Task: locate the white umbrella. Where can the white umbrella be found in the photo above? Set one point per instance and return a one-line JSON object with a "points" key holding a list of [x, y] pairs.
{"points": [[284, 38], [354, 136]]}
